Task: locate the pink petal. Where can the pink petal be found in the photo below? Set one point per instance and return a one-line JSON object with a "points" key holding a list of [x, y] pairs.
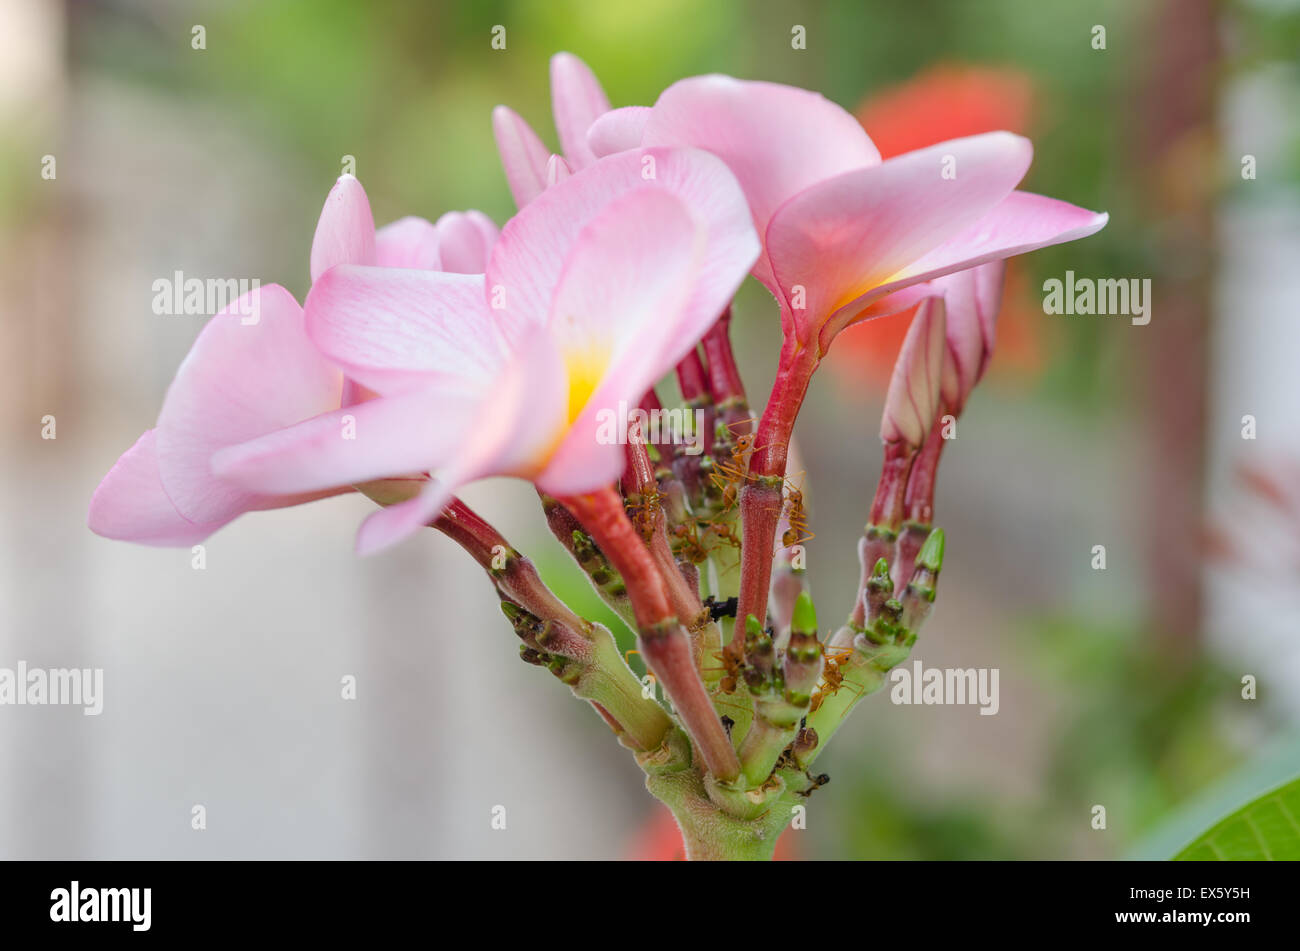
{"points": [[393, 330], [527, 260], [850, 234], [522, 155], [345, 233], [557, 170], [1022, 222], [394, 523], [238, 382], [466, 239], [623, 297], [389, 436], [618, 130], [971, 299], [510, 432], [409, 242], [914, 387], [778, 140], [577, 101], [130, 504]]}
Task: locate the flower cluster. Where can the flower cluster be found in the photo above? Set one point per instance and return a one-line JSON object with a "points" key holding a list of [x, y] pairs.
{"points": [[429, 355]]}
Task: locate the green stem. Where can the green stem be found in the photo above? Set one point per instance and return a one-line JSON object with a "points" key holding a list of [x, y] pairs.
{"points": [[711, 834]]}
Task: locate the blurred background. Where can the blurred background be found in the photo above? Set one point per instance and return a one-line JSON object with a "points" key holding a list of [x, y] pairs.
{"points": [[1119, 687]]}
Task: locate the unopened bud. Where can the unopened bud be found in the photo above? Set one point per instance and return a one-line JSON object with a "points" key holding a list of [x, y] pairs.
{"points": [[918, 597], [804, 618]]}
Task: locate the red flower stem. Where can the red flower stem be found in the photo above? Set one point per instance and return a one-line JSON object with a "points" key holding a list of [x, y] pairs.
{"points": [[649, 405], [725, 385], [886, 519], [638, 486], [583, 655], [663, 644], [887, 506], [514, 575], [762, 498], [918, 501], [692, 378]]}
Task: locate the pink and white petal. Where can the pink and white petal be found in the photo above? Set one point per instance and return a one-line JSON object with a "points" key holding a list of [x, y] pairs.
{"points": [[577, 101], [528, 258], [778, 140], [913, 394], [523, 156], [627, 278], [1022, 222], [624, 298], [972, 298], [989, 279], [409, 242], [488, 234], [461, 237], [389, 436], [886, 306], [618, 130], [345, 233], [512, 430], [394, 329], [238, 382], [130, 504], [845, 236], [557, 170], [965, 346]]}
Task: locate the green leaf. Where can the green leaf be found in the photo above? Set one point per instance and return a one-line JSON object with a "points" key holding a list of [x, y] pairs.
{"points": [[1267, 829]]}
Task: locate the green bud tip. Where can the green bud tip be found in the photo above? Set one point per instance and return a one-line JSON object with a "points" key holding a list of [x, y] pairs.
{"points": [[511, 610], [881, 570], [805, 615], [752, 627], [931, 554]]}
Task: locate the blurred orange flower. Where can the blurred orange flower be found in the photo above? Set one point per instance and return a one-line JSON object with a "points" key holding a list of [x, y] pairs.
{"points": [[944, 102]]}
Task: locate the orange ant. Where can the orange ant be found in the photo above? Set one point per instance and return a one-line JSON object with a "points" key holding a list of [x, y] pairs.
{"points": [[727, 476], [836, 657], [725, 532], [732, 669], [645, 510], [687, 544], [798, 532]]}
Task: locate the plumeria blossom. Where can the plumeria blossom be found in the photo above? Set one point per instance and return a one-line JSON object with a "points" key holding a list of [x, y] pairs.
{"points": [[244, 378], [843, 231], [595, 290], [577, 100]]}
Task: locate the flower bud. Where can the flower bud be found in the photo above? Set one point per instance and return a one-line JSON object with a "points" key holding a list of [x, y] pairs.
{"points": [[914, 388]]}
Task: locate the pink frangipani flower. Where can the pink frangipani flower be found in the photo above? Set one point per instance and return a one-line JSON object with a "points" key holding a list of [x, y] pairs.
{"points": [[842, 231], [595, 290], [247, 377]]}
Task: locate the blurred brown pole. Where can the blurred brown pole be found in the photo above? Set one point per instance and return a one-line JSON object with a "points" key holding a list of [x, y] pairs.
{"points": [[1176, 155]]}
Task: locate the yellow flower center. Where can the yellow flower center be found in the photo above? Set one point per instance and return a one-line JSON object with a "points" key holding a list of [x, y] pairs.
{"points": [[586, 366]]}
